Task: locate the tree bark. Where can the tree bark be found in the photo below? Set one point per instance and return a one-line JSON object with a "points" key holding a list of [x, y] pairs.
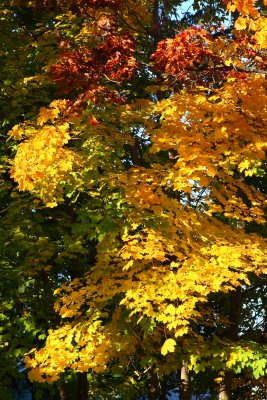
{"points": [[234, 315], [232, 334], [226, 385], [82, 386], [185, 386], [135, 155], [151, 388], [63, 391]]}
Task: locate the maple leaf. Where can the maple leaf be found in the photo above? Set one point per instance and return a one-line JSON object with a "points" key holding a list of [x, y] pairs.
{"points": [[168, 346], [241, 23]]}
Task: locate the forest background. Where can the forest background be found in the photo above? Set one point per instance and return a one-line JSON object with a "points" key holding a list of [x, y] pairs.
{"points": [[133, 199]]}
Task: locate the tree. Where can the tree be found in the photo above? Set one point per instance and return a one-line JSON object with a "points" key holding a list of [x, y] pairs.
{"points": [[139, 197]]}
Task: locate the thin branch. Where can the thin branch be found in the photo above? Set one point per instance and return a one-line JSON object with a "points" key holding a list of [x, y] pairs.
{"points": [[251, 70]]}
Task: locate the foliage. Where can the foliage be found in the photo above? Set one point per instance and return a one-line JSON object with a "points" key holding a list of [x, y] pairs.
{"points": [[133, 194]]}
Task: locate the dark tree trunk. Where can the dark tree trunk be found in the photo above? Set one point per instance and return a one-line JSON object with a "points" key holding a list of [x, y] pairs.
{"points": [[63, 391], [82, 386], [234, 315], [151, 388], [232, 334], [135, 155]]}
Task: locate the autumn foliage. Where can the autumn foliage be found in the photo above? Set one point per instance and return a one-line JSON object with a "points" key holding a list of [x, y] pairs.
{"points": [[149, 158]]}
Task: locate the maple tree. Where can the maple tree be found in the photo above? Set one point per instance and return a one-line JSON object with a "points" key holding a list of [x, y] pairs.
{"points": [[134, 197]]}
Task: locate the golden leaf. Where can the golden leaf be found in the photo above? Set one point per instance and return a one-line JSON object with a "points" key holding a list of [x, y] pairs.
{"points": [[168, 346], [241, 23]]}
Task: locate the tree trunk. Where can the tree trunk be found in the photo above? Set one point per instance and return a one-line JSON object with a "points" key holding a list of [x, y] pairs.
{"points": [[185, 386], [232, 334], [226, 385], [63, 391], [234, 315], [151, 387], [82, 386], [135, 155]]}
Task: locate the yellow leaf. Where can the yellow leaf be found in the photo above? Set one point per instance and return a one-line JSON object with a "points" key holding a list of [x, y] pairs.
{"points": [[240, 24], [228, 62], [232, 360], [168, 346]]}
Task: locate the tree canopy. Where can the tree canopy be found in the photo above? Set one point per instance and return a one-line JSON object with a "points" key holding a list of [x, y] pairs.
{"points": [[133, 198]]}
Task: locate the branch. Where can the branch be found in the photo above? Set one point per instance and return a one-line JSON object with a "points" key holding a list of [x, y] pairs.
{"points": [[251, 70]]}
